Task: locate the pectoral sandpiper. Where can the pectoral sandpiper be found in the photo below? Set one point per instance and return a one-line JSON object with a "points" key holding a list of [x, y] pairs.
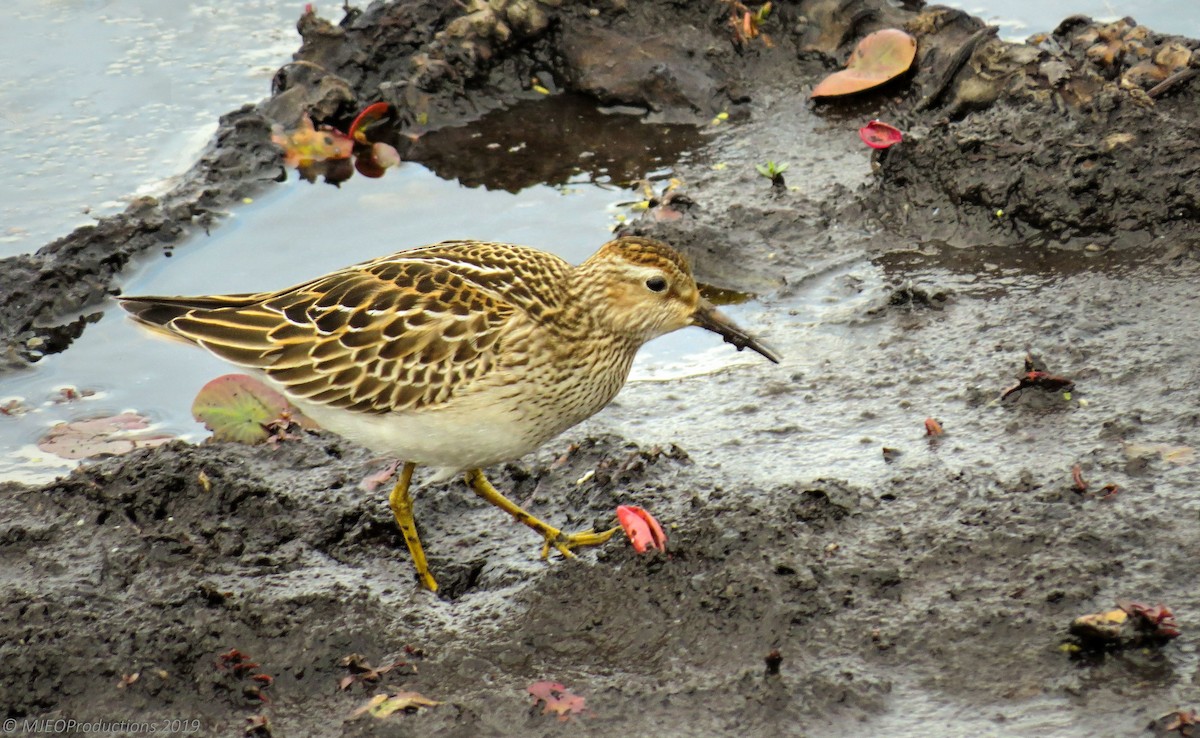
{"points": [[457, 356]]}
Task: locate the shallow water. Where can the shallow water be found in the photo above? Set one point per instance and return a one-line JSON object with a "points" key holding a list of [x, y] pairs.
{"points": [[103, 100], [1019, 19]]}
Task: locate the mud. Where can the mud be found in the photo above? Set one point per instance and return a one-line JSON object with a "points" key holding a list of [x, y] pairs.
{"points": [[912, 586]]}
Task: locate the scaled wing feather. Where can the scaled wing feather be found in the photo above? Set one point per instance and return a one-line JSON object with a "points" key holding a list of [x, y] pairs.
{"points": [[399, 333]]}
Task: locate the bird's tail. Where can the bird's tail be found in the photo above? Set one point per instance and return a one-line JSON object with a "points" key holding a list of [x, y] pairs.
{"points": [[158, 311]]}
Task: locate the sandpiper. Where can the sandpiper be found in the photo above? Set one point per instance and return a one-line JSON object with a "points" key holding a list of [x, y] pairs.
{"points": [[456, 356]]}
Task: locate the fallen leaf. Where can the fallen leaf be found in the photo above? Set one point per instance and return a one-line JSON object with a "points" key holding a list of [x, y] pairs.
{"points": [[306, 145], [381, 705], [369, 117], [236, 407], [109, 436], [643, 530], [1100, 626], [13, 407], [878, 58], [385, 155], [1077, 478], [258, 725], [932, 427], [1181, 455], [362, 671], [880, 135], [71, 394], [375, 161], [374, 481], [557, 700]]}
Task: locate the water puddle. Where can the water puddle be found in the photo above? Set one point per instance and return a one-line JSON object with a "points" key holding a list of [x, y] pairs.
{"points": [[534, 143]]}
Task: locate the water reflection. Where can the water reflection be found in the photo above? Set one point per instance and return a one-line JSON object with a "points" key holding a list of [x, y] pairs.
{"points": [[552, 141]]}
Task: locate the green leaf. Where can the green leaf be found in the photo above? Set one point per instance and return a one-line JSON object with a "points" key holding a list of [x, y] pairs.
{"points": [[238, 408]]}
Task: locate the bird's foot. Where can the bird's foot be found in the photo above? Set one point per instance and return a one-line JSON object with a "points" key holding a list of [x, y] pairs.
{"points": [[565, 543]]}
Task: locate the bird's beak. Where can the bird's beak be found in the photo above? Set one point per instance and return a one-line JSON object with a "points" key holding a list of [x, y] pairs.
{"points": [[709, 318]]}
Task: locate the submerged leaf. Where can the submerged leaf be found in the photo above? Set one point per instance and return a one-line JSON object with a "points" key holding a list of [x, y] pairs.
{"points": [[110, 436], [878, 58]]}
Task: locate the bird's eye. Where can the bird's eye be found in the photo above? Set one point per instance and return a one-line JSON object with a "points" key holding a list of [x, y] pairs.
{"points": [[656, 284]]}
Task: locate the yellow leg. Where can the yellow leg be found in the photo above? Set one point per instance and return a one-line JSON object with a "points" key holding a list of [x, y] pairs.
{"points": [[563, 543], [402, 508]]}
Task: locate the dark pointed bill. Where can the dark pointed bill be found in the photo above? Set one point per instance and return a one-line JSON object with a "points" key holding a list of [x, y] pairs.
{"points": [[709, 318]]}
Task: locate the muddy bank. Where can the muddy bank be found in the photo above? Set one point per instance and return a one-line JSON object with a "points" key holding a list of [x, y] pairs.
{"points": [[919, 590]]}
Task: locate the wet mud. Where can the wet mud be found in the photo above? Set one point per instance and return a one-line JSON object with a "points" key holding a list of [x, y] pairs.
{"points": [[831, 569]]}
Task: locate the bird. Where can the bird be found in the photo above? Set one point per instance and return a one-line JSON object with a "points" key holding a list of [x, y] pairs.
{"points": [[458, 355]]}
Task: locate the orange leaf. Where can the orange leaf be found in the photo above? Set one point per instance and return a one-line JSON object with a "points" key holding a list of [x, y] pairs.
{"points": [[881, 56], [305, 144]]}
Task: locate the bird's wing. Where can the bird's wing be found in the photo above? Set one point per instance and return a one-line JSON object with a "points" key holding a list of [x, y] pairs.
{"points": [[398, 333]]}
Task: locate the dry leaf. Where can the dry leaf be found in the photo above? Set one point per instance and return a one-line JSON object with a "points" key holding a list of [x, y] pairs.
{"points": [[1181, 455], [878, 58], [381, 705], [557, 699]]}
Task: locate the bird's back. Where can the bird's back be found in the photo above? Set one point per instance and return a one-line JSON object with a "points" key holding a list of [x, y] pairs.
{"points": [[401, 332]]}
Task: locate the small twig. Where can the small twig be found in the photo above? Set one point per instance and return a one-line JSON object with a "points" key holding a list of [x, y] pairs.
{"points": [[1175, 79]]}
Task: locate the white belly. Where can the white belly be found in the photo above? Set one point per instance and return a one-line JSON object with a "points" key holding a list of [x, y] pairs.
{"points": [[506, 417], [452, 439]]}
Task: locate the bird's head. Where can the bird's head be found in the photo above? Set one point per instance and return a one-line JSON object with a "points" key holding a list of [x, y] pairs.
{"points": [[648, 291]]}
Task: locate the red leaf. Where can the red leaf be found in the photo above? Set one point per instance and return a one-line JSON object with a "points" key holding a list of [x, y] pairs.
{"points": [[642, 529], [879, 135], [369, 116]]}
